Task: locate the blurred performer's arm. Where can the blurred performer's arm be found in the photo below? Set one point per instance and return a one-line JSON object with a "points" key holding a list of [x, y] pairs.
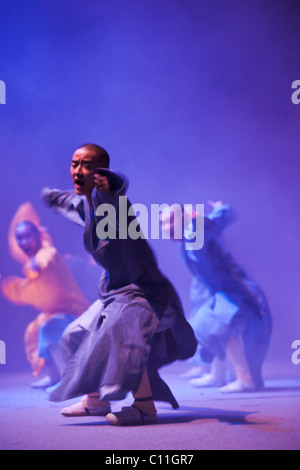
{"points": [[24, 290], [221, 216], [214, 224], [11, 288]]}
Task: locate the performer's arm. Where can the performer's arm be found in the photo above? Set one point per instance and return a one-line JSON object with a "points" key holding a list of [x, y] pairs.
{"points": [[109, 186], [25, 291], [38, 263], [66, 203], [221, 215], [12, 288]]}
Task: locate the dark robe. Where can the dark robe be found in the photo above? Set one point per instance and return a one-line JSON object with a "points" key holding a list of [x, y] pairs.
{"points": [[142, 324]]}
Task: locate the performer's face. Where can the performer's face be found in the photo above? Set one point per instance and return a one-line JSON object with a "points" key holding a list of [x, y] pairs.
{"points": [[84, 161], [27, 239]]}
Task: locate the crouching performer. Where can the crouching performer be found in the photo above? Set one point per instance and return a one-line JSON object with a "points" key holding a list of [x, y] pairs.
{"points": [[140, 325]]}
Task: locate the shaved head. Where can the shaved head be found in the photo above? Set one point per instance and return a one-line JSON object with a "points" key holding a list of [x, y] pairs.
{"points": [[86, 159], [101, 153]]}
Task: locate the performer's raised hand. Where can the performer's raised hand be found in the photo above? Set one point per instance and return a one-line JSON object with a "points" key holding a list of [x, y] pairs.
{"points": [[101, 183]]}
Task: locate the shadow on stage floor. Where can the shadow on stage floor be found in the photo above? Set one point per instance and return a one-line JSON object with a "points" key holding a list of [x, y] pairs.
{"points": [[188, 415], [206, 419]]}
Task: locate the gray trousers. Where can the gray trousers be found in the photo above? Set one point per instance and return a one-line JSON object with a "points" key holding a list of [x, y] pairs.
{"points": [[75, 331]]}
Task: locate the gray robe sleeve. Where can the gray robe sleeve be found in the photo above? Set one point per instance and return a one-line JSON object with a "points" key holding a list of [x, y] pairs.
{"points": [[66, 203], [219, 219]]}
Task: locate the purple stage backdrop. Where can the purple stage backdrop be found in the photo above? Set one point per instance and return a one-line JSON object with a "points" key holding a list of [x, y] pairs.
{"points": [[192, 100]]}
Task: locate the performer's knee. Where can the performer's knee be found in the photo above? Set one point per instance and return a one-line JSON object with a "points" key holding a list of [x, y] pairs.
{"points": [[71, 339]]}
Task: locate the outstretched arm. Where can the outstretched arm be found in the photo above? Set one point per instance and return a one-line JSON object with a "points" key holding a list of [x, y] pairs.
{"points": [[214, 224], [220, 217], [66, 203], [11, 289]]}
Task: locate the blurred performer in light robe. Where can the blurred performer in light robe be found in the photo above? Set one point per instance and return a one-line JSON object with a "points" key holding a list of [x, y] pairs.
{"points": [[48, 286], [230, 314]]}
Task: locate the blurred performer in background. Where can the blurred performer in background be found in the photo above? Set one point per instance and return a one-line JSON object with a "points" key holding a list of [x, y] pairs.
{"points": [[48, 286], [230, 314]]}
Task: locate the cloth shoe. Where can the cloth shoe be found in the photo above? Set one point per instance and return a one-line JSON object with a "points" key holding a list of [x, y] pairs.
{"points": [[44, 382], [194, 372], [129, 416], [207, 381], [237, 387], [101, 408]]}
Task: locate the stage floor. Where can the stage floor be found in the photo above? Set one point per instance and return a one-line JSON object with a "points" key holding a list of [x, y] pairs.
{"points": [[206, 419]]}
